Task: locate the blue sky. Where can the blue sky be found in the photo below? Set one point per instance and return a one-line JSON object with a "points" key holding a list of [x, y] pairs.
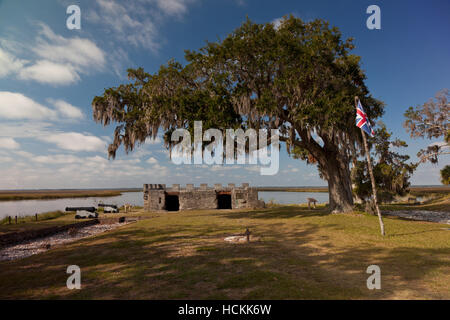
{"points": [[49, 75]]}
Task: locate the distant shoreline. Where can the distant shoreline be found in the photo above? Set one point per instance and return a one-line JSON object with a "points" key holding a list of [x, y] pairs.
{"points": [[45, 194], [416, 190], [293, 189]]}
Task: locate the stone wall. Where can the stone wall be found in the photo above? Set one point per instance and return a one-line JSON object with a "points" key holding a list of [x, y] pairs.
{"points": [[202, 197], [197, 199], [245, 198], [154, 197]]}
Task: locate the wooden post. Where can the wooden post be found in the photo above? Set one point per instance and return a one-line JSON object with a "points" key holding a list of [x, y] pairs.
{"points": [[9, 217], [35, 215], [16, 219], [372, 179], [247, 233]]}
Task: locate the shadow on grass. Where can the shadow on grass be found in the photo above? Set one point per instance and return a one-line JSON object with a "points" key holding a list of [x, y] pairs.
{"points": [[282, 212], [193, 262]]}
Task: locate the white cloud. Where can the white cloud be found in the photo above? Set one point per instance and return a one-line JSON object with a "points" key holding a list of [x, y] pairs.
{"points": [[24, 154], [9, 64], [97, 160], [121, 162], [57, 60], [228, 167], [75, 141], [12, 46], [17, 106], [159, 169], [139, 152], [152, 160], [78, 52], [277, 22], [8, 143], [157, 140], [137, 22], [131, 23], [6, 159], [57, 159], [49, 72], [66, 109], [119, 61], [253, 168], [173, 7], [24, 129]]}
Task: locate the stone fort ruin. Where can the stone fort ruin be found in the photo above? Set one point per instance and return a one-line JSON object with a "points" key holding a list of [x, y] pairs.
{"points": [[158, 197]]}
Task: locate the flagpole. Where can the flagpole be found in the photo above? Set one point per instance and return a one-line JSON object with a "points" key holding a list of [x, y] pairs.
{"points": [[372, 179]]}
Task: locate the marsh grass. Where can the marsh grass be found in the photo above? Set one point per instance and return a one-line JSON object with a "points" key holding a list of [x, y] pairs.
{"points": [[430, 191], [6, 195]]}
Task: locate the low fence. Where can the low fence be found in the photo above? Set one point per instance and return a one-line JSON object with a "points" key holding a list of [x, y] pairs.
{"points": [[17, 237]]}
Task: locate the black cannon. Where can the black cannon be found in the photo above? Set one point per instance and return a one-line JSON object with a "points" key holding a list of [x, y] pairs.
{"points": [[83, 212], [90, 209]]}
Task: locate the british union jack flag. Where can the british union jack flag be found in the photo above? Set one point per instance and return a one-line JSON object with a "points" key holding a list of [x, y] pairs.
{"points": [[362, 121]]}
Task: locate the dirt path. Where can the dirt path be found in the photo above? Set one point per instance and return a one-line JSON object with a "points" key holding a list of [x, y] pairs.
{"points": [[29, 248], [422, 215]]}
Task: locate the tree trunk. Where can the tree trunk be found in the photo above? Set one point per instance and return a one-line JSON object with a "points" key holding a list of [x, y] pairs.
{"points": [[339, 183]]}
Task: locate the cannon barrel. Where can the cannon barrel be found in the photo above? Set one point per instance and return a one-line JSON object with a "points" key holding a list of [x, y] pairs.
{"points": [[90, 209], [107, 205]]}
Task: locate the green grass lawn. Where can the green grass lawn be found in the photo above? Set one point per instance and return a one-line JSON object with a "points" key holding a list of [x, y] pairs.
{"points": [[301, 254]]}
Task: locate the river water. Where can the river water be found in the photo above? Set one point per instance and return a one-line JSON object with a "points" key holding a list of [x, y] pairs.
{"points": [[30, 207]]}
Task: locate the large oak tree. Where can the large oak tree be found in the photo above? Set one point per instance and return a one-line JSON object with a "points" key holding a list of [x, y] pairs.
{"points": [[300, 78]]}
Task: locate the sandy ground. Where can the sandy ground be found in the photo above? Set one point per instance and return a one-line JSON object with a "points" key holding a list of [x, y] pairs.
{"points": [[31, 247], [422, 215]]}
